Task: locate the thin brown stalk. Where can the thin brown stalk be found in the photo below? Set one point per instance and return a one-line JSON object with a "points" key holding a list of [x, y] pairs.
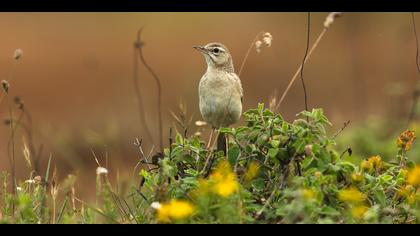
{"points": [[303, 64], [159, 89], [314, 46], [142, 117], [341, 129], [416, 92], [247, 53], [12, 159], [10, 78]]}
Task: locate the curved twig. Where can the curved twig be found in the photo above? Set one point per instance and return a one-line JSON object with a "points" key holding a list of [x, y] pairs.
{"points": [[159, 88], [143, 121], [303, 62]]}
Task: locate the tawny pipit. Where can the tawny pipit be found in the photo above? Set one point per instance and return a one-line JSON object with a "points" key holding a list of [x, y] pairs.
{"points": [[220, 89]]}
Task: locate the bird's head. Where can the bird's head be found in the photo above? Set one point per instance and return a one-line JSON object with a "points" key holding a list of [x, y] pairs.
{"points": [[217, 56]]}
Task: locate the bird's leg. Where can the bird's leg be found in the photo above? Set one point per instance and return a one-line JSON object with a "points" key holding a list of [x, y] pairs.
{"points": [[210, 138], [227, 145]]}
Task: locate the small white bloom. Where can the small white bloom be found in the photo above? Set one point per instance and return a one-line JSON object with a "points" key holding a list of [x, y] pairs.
{"points": [[19, 189], [101, 170], [18, 54], [200, 123], [156, 205], [30, 181], [198, 133]]}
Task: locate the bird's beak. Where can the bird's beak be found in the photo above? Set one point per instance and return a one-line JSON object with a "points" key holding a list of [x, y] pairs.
{"points": [[201, 49]]}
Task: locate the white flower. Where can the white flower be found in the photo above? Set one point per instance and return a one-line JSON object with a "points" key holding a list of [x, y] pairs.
{"points": [[18, 54], [198, 133], [200, 123], [19, 189], [156, 205], [30, 181], [101, 170]]}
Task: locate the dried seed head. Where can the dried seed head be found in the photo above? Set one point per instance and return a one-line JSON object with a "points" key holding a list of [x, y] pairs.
{"points": [[19, 102], [330, 19], [258, 46], [267, 38], [101, 170], [264, 41], [38, 179], [200, 123], [18, 54], [5, 85], [7, 122]]}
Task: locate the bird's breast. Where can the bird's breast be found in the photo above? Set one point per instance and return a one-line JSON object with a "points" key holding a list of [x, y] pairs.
{"points": [[220, 100]]}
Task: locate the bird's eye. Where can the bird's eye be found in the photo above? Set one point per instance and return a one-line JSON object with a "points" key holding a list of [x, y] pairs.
{"points": [[216, 50]]}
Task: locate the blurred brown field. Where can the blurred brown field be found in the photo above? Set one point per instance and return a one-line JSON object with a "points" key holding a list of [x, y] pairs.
{"points": [[75, 75]]}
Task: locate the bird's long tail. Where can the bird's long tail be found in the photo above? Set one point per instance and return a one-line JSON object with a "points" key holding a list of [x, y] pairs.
{"points": [[221, 142]]}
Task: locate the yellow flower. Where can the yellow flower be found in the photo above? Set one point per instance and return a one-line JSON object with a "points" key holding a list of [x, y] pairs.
{"points": [[371, 163], [357, 177], [359, 212], [351, 195], [412, 199], [366, 165], [308, 194], [413, 177], [224, 180], [227, 186], [403, 173], [376, 162], [175, 209], [318, 174], [406, 139], [405, 191], [252, 171], [203, 188]]}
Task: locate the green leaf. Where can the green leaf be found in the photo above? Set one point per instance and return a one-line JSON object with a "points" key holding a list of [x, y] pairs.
{"points": [[179, 139], [328, 211], [385, 179], [272, 152], [275, 143], [380, 197], [233, 154], [168, 168]]}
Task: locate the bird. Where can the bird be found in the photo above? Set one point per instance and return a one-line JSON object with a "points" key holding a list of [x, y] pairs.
{"points": [[220, 90]]}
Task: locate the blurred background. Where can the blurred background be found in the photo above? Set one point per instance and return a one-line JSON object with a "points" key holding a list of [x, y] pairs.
{"points": [[76, 78]]}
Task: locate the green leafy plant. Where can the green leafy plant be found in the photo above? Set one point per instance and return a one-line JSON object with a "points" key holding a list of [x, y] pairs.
{"points": [[274, 172]]}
